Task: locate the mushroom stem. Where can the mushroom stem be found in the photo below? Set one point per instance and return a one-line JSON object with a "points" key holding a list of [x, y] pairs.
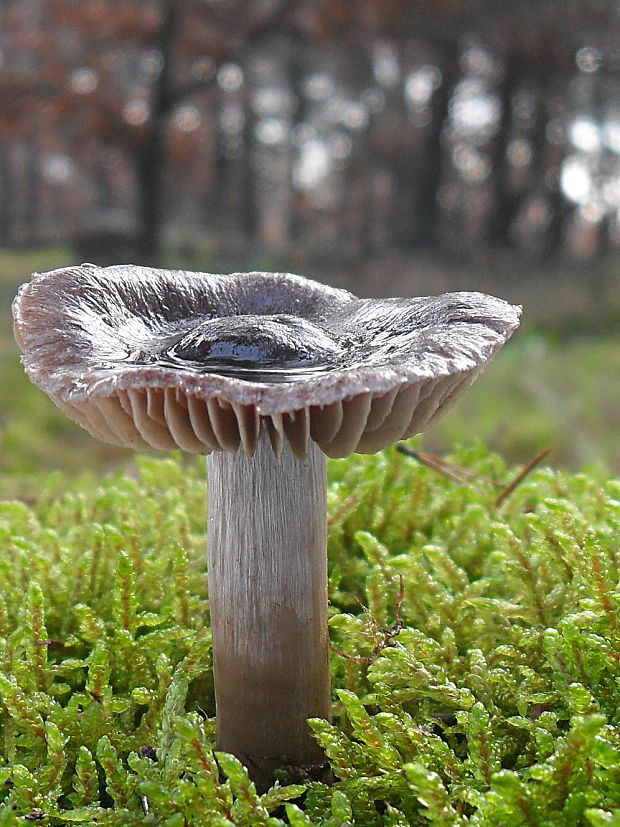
{"points": [[267, 539]]}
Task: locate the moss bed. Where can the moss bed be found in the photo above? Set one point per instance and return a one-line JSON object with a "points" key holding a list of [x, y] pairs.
{"points": [[476, 656]]}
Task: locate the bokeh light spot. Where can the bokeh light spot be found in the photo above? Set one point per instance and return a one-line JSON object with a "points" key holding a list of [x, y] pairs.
{"points": [[313, 164], [588, 59], [187, 118], [520, 152], [272, 131], [576, 179], [84, 81], [584, 134], [136, 112], [230, 77]]}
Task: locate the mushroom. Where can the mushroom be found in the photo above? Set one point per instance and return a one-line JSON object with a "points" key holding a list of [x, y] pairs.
{"points": [[266, 374]]}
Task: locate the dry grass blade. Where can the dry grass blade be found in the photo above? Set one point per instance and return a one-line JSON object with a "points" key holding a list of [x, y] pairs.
{"points": [[464, 475], [448, 469], [383, 637], [527, 468]]}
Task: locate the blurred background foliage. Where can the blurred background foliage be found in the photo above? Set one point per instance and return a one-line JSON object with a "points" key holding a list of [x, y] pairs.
{"points": [[392, 147]]}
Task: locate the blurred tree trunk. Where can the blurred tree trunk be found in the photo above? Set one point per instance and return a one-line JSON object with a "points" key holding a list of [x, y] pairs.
{"points": [[32, 193], [105, 198], [425, 195], [297, 74], [553, 71], [148, 170], [505, 200], [6, 199], [248, 218], [151, 154], [215, 196]]}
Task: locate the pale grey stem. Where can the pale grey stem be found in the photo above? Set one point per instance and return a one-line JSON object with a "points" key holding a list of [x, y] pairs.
{"points": [[267, 539]]}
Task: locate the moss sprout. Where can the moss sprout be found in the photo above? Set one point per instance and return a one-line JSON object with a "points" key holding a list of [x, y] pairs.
{"points": [[484, 690]]}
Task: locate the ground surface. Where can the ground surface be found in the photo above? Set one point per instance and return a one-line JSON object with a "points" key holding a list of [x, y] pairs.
{"points": [[486, 692]]}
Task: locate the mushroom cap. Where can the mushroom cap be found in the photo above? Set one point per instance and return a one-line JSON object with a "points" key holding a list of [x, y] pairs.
{"points": [[164, 359]]}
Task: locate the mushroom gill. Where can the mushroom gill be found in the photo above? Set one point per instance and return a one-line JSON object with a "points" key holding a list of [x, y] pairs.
{"points": [[157, 359]]}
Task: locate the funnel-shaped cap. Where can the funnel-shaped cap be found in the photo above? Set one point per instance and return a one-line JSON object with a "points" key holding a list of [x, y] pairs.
{"points": [[157, 359]]}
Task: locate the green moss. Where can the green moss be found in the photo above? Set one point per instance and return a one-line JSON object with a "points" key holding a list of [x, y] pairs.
{"points": [[485, 691]]}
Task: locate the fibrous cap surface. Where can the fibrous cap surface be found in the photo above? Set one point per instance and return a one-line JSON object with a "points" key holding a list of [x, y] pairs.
{"points": [[167, 358]]}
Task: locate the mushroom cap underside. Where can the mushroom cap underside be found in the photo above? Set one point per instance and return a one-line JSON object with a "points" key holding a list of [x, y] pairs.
{"points": [[156, 359]]}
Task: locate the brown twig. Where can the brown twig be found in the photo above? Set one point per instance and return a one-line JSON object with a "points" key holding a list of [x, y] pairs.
{"points": [[448, 469], [383, 637], [464, 475], [398, 625], [527, 468], [357, 658], [343, 508]]}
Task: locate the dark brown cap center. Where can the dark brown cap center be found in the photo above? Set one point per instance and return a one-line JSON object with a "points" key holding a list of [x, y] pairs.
{"points": [[236, 344]]}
